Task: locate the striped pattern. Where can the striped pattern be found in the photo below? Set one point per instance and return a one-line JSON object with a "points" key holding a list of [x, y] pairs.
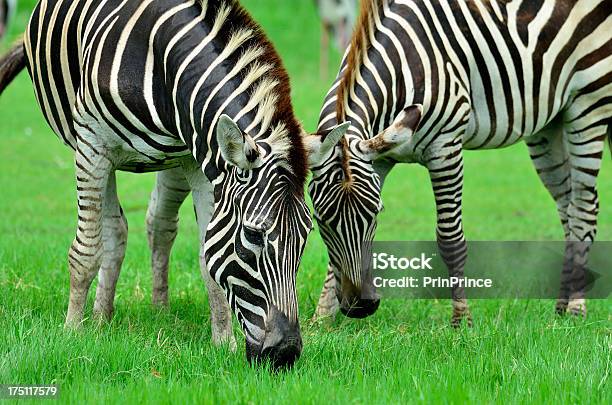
{"points": [[143, 86], [486, 74]]}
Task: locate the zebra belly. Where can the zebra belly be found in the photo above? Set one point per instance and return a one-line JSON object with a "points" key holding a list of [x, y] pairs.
{"points": [[129, 152], [475, 138]]}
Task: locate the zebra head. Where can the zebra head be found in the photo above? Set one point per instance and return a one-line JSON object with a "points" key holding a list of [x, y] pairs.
{"points": [[346, 195], [256, 237]]}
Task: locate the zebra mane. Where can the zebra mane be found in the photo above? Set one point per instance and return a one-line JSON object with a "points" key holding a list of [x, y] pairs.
{"points": [[274, 90], [360, 43]]}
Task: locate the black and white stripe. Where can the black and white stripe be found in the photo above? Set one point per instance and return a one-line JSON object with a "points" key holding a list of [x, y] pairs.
{"points": [[151, 85], [424, 80]]}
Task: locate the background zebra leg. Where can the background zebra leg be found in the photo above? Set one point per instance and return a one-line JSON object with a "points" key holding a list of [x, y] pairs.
{"points": [[85, 254], [324, 52], [447, 182], [585, 144], [220, 311], [328, 305], [551, 161], [114, 240], [171, 189]]}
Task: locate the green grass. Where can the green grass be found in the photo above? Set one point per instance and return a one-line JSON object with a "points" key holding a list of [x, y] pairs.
{"points": [[517, 352]]}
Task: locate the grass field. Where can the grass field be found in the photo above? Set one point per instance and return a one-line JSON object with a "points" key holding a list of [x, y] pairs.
{"points": [[517, 352]]}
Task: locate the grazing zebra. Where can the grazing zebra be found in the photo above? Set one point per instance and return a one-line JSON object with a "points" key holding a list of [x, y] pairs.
{"points": [[151, 85], [424, 80], [7, 9], [337, 20]]}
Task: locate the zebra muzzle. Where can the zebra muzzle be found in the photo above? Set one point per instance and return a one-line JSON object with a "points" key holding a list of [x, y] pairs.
{"points": [[282, 344], [357, 302]]}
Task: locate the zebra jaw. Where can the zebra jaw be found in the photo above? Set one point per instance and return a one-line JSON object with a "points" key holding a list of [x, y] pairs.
{"points": [[320, 144], [398, 133], [238, 148]]}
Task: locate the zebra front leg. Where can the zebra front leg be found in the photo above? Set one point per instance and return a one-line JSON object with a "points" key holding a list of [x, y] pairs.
{"points": [[220, 311], [85, 254], [446, 174], [114, 240], [328, 305], [171, 189]]}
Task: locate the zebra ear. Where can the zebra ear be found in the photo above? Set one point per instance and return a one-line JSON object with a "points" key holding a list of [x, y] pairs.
{"points": [[320, 144], [398, 133], [237, 147]]}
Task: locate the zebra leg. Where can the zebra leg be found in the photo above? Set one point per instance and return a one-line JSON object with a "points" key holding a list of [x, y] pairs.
{"points": [[220, 311], [85, 254], [114, 241], [328, 305], [324, 52], [551, 160], [171, 189], [446, 176], [585, 144]]}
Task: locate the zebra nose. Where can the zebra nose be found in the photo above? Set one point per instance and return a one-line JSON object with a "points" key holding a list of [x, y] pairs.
{"points": [[357, 302], [359, 307], [282, 344]]}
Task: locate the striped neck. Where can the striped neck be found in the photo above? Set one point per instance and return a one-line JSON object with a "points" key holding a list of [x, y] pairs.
{"points": [[371, 90], [216, 60]]}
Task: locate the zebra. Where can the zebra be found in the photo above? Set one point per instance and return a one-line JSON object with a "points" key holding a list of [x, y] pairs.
{"points": [[337, 19], [7, 10], [193, 89], [421, 82]]}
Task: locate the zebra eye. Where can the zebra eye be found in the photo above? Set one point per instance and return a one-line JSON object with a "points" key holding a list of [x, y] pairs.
{"points": [[254, 235], [242, 174], [337, 177]]}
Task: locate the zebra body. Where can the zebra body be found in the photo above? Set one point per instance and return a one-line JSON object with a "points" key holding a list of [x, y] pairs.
{"points": [[424, 80], [151, 85]]}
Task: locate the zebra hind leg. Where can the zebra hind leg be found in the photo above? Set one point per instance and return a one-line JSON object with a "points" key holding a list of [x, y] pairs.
{"points": [[550, 157], [585, 138], [328, 305], [447, 182], [170, 191], [114, 237], [85, 254]]}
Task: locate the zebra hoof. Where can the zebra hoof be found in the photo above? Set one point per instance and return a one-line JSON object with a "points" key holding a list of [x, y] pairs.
{"points": [[102, 317], [458, 319], [326, 313], [227, 340], [159, 299], [561, 306], [577, 307]]}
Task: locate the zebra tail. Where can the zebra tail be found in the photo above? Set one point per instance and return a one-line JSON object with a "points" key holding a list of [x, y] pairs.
{"points": [[11, 64]]}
